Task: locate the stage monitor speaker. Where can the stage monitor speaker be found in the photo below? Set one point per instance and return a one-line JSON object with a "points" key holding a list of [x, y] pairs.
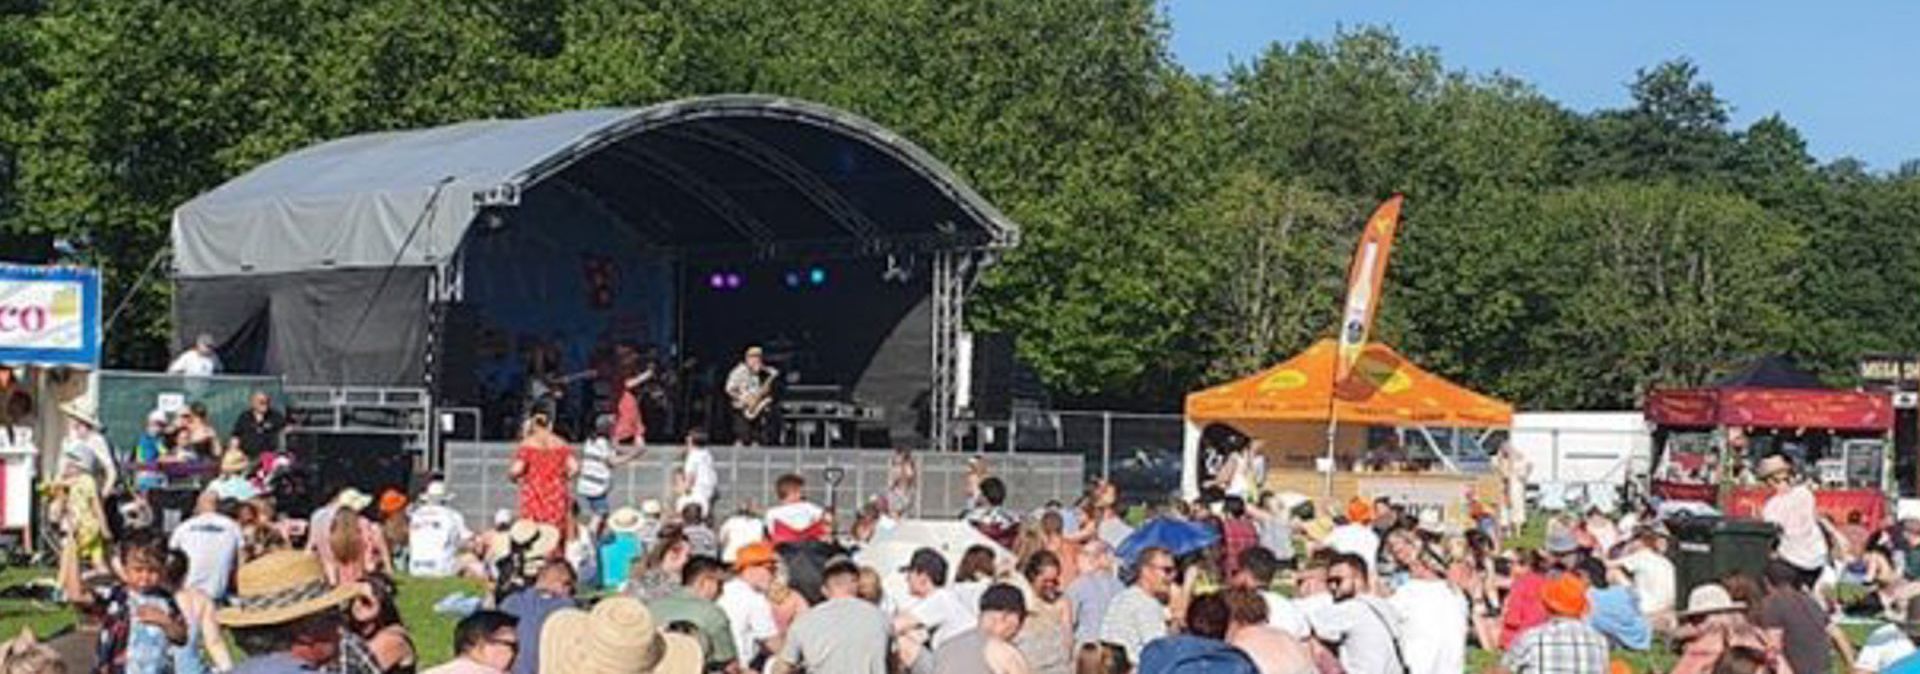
{"points": [[325, 463], [993, 376]]}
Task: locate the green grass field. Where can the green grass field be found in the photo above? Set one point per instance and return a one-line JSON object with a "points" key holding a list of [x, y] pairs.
{"points": [[45, 619]]}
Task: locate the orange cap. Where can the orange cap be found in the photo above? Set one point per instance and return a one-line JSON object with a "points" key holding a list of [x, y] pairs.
{"points": [[1618, 666], [1359, 511], [756, 554], [1566, 596], [392, 502]]}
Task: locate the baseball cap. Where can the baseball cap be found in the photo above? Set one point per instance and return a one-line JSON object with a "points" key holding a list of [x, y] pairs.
{"points": [[756, 554], [1003, 597], [927, 561]]}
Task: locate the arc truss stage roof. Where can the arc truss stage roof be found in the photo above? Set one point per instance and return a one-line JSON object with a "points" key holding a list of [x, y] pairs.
{"points": [[741, 176]]}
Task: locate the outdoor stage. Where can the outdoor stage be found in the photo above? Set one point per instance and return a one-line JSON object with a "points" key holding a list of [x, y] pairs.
{"points": [[483, 259]]}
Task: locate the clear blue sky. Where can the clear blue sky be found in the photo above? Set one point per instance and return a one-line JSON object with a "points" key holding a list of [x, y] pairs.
{"points": [[1847, 75]]}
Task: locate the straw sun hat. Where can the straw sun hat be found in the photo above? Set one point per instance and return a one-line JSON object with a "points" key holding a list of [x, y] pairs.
{"points": [[81, 411], [618, 637], [281, 587], [234, 461], [1710, 598]]}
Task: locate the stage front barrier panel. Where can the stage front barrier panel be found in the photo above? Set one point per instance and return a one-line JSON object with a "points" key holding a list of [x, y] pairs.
{"points": [[476, 473]]}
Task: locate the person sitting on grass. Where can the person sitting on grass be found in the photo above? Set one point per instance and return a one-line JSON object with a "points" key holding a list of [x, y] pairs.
{"points": [[485, 642]]}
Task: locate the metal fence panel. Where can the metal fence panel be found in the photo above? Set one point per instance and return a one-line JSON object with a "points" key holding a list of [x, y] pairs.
{"points": [[476, 473]]}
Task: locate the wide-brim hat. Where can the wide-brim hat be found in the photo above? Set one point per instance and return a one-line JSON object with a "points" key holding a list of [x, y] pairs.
{"points": [[538, 538], [1773, 465], [233, 461], [1560, 542], [80, 411], [619, 636], [353, 498], [625, 520], [651, 507], [1710, 598], [281, 587]]}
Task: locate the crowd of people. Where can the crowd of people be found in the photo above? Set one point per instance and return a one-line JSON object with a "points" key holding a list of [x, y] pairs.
{"points": [[579, 579]]}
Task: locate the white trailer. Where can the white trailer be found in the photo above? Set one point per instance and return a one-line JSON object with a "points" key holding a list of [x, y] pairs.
{"points": [[1583, 448]]}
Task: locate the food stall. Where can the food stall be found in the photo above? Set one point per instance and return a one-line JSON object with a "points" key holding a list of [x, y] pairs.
{"points": [[1386, 416], [1708, 440], [49, 344]]}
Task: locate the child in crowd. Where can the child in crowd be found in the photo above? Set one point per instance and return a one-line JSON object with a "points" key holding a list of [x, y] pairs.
{"points": [[139, 621], [206, 648]]}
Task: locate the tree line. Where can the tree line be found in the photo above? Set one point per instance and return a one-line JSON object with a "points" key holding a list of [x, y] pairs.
{"points": [[1177, 229]]}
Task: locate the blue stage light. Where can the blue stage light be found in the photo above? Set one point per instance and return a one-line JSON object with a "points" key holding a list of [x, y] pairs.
{"points": [[793, 279], [817, 276]]}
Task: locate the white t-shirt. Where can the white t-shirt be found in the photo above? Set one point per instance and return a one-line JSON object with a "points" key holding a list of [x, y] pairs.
{"points": [[1284, 615], [1801, 543], [1356, 539], [703, 478], [738, 532], [1364, 629], [1433, 620], [1134, 619], [1883, 647], [212, 543], [434, 536], [797, 516], [194, 364], [944, 615], [749, 614], [1653, 580]]}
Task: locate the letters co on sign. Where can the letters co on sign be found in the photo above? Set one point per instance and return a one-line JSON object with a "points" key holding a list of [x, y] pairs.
{"points": [[49, 316]]}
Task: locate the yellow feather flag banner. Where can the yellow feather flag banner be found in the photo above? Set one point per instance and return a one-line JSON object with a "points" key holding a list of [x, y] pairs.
{"points": [[1364, 278]]}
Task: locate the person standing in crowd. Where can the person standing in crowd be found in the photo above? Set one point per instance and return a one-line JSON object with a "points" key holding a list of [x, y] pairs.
{"points": [[1202, 647], [987, 647], [1250, 629], [1802, 623], [258, 430], [1355, 536], [1275, 523], [435, 534], [200, 360], [599, 455], [903, 479], [1047, 638], [1513, 469], [749, 612], [84, 451], [1139, 614], [1652, 575], [552, 590], [1362, 629], [484, 642], [213, 543], [620, 547], [1713, 624], [698, 479], [694, 603], [1565, 644], [1256, 573], [1093, 590], [1108, 524], [842, 634], [796, 519], [1790, 506], [1432, 611], [284, 616], [542, 466]]}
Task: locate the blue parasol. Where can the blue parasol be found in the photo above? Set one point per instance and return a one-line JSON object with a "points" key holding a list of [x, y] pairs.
{"points": [[1179, 536]]}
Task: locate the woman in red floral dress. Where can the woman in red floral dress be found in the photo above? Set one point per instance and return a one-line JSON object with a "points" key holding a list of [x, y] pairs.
{"points": [[544, 466]]}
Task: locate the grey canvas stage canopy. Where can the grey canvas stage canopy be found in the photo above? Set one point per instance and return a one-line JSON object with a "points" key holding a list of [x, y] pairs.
{"points": [[726, 175], [323, 265]]}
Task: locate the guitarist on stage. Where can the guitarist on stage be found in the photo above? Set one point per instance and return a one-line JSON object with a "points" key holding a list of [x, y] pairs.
{"points": [[750, 387]]}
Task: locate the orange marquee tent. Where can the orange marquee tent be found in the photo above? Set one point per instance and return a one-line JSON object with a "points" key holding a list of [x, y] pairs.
{"points": [[1385, 390]]}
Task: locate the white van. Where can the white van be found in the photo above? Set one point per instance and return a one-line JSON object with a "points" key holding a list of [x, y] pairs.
{"points": [[1610, 448]]}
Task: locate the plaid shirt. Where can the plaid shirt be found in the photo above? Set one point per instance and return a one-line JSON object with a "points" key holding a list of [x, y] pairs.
{"points": [[1561, 646]]}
